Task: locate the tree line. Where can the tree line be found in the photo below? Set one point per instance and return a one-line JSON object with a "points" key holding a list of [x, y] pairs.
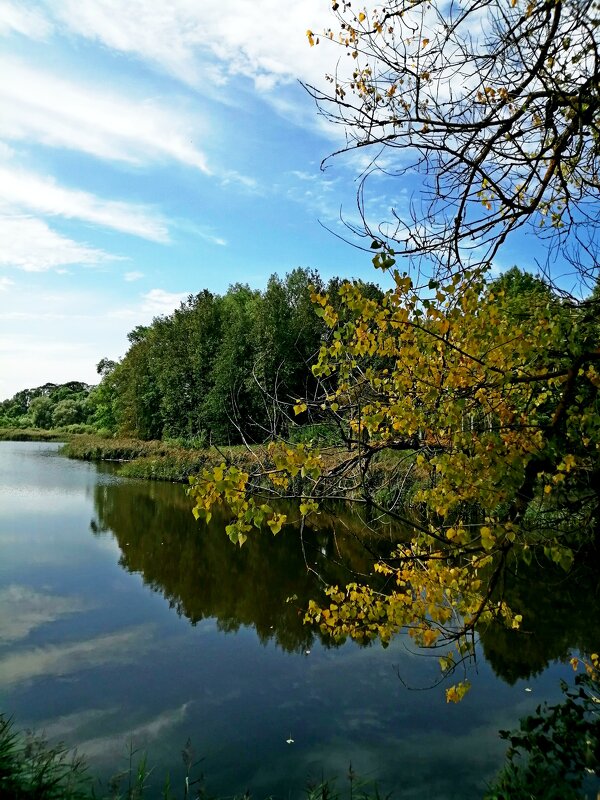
{"points": [[220, 369], [62, 405]]}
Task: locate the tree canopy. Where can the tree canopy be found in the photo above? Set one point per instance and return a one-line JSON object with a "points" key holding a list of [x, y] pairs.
{"points": [[467, 405], [220, 369]]}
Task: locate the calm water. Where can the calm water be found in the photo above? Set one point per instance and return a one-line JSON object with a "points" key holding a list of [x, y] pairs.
{"points": [[122, 619]]}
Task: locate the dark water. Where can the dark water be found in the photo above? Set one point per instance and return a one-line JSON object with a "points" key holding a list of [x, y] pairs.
{"points": [[121, 619]]}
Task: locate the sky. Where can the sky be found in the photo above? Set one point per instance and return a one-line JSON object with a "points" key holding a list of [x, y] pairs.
{"points": [[149, 150]]}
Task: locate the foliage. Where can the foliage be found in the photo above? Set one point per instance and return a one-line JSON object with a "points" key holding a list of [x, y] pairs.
{"points": [[494, 105], [212, 363], [30, 769], [48, 406], [553, 749], [486, 391], [220, 369], [495, 412]]}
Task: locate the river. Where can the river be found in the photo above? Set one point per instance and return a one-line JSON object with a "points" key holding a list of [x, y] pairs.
{"points": [[123, 620]]}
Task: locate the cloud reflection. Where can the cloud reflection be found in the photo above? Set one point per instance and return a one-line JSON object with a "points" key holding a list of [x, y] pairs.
{"points": [[22, 610], [114, 743], [51, 660]]}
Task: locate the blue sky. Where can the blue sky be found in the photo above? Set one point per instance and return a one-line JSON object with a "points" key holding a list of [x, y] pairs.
{"points": [[151, 149]]}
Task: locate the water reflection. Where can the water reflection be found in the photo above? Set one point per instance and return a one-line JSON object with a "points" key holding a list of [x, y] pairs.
{"points": [[561, 615], [88, 654], [202, 575]]}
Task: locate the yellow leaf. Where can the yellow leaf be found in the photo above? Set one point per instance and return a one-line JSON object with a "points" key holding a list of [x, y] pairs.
{"points": [[311, 37], [361, 17], [456, 693]]}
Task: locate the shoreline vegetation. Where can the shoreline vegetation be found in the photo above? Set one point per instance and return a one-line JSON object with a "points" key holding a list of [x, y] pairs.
{"points": [[176, 461], [156, 460], [152, 460]]}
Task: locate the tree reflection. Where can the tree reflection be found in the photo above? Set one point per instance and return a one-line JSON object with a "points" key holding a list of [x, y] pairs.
{"points": [[267, 585], [561, 615]]}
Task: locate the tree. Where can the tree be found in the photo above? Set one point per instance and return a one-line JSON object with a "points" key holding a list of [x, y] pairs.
{"points": [[40, 410], [469, 407], [67, 412], [496, 105]]}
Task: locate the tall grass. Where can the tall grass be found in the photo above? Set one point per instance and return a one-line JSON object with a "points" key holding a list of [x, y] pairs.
{"points": [[32, 435], [154, 460], [30, 769]]}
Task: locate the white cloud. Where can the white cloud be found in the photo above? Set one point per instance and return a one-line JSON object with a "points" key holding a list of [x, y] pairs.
{"points": [[53, 347], [115, 742], [60, 335], [6, 152], [155, 303], [133, 276], [29, 244], [5, 284], [158, 301], [183, 38], [202, 231], [56, 112], [16, 18], [42, 194]]}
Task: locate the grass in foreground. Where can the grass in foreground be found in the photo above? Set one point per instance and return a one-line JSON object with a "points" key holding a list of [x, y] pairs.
{"points": [[31, 769]]}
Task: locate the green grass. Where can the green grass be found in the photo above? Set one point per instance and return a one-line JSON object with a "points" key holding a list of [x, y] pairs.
{"points": [[32, 435], [154, 460], [43, 434], [32, 770]]}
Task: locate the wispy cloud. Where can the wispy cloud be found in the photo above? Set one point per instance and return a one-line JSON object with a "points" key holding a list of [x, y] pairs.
{"points": [[27, 190], [158, 301], [57, 112], [256, 41], [201, 231], [5, 284], [31, 245], [133, 276], [115, 742], [15, 17]]}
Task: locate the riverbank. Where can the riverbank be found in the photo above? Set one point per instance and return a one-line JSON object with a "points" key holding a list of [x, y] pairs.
{"points": [[175, 460], [33, 435], [156, 460]]}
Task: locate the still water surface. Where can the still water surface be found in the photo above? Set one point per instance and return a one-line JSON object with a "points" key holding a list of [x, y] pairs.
{"points": [[121, 619]]}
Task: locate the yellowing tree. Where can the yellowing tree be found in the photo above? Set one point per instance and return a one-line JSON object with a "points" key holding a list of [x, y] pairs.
{"points": [[494, 103], [461, 421], [467, 408]]}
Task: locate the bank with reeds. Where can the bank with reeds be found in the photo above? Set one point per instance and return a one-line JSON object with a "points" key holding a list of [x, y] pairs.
{"points": [[155, 460]]}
